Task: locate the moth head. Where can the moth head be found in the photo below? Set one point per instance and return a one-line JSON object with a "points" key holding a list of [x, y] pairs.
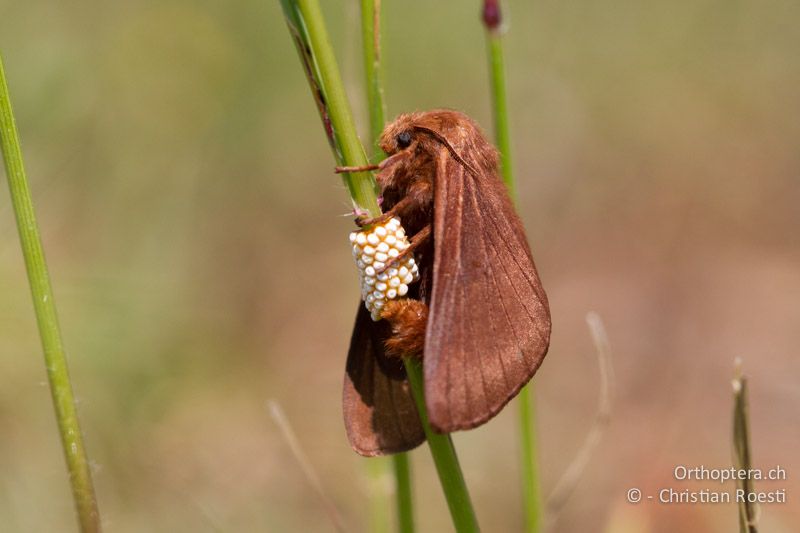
{"points": [[430, 132], [398, 136]]}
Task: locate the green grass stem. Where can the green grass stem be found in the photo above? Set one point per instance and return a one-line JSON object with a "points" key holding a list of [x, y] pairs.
{"points": [[445, 459], [377, 469], [404, 501], [531, 491], [307, 26], [373, 72], [502, 129], [46, 318], [371, 46]]}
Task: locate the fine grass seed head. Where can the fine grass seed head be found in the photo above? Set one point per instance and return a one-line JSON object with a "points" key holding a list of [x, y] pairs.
{"points": [[372, 250]]}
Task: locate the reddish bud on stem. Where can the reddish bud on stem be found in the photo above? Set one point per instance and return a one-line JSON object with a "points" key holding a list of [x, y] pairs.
{"points": [[491, 14]]}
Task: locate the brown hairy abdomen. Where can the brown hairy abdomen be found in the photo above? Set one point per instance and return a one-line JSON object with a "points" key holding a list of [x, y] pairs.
{"points": [[407, 318]]}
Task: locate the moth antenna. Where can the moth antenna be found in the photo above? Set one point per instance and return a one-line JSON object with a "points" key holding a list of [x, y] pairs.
{"points": [[441, 138]]}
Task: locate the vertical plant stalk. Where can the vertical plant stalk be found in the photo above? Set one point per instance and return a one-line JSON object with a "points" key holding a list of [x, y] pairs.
{"points": [[492, 20], [378, 492], [404, 500], [531, 491], [748, 512], [444, 457], [307, 27], [371, 46], [46, 318]]}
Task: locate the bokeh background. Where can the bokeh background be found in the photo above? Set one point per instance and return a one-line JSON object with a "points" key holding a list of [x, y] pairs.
{"points": [[197, 243]]}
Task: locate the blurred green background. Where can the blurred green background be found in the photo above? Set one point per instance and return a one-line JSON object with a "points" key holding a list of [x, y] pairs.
{"points": [[198, 246]]}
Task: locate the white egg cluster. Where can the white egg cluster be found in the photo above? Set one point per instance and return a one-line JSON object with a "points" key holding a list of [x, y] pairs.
{"points": [[372, 250]]}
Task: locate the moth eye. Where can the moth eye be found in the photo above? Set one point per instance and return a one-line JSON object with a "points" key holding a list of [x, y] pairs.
{"points": [[404, 139]]}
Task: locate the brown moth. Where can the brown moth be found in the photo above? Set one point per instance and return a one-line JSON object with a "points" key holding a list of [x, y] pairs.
{"points": [[478, 317]]}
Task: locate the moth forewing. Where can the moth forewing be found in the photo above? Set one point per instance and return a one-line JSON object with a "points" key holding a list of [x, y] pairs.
{"points": [[489, 322]]}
